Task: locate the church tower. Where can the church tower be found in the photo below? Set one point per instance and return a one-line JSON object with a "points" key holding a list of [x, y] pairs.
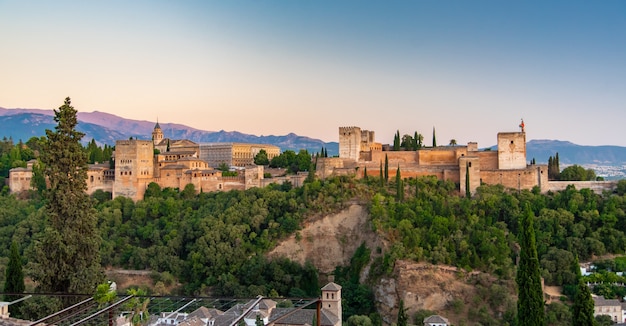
{"points": [[331, 299], [157, 134]]}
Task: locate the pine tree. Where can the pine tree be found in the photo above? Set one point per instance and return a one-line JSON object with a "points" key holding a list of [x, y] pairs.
{"points": [[530, 304], [582, 309], [402, 316], [386, 169], [14, 279], [66, 258], [434, 138]]}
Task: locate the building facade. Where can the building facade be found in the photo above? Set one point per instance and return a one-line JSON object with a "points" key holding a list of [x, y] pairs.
{"points": [[464, 165], [234, 154]]}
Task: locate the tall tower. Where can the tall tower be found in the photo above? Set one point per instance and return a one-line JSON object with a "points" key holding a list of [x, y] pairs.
{"points": [[350, 142], [331, 299], [157, 134], [511, 150]]}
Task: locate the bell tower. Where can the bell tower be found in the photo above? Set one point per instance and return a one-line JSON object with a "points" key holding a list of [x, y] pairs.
{"points": [[331, 299], [157, 134]]}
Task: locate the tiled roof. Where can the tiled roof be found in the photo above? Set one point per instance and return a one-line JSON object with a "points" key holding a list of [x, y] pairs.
{"points": [[302, 317], [331, 287], [435, 319]]}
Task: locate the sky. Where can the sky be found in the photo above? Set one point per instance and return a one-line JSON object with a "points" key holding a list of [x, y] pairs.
{"points": [[469, 69]]}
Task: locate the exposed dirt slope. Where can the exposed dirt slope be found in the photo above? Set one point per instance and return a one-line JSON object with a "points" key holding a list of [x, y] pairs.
{"points": [[329, 241]]}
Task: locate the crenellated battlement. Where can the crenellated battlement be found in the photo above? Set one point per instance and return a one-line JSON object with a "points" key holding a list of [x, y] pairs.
{"points": [[349, 130]]}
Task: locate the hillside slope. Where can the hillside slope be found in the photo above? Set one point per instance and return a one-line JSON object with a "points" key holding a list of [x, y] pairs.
{"points": [[331, 241]]}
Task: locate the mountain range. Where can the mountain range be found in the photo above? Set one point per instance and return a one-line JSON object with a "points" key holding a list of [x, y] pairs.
{"points": [[106, 128]]}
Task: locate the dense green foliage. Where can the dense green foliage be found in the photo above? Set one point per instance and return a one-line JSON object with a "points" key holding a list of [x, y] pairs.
{"points": [[66, 256], [210, 238], [530, 305], [357, 299], [553, 167], [14, 279], [577, 173], [261, 158], [291, 161], [582, 309]]}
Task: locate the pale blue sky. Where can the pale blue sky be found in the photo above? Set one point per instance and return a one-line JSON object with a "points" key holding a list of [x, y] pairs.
{"points": [[468, 68]]}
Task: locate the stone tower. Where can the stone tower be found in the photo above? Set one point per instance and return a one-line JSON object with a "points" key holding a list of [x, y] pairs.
{"points": [[511, 150], [134, 168], [157, 134], [349, 142], [331, 298]]}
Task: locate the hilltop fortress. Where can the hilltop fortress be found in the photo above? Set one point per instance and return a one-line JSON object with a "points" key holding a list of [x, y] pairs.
{"points": [[359, 153], [171, 163], [178, 163]]}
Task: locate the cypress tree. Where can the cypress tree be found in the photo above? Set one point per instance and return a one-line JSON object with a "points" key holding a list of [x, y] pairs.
{"points": [[381, 174], [365, 173], [582, 309], [386, 169], [67, 256], [415, 146], [399, 186], [396, 141], [434, 138], [14, 278], [402, 316], [530, 304]]}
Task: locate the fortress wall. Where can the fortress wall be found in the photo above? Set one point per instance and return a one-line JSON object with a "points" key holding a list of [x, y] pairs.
{"points": [[438, 156], [450, 173], [595, 186], [394, 157], [469, 165], [488, 160], [515, 179]]}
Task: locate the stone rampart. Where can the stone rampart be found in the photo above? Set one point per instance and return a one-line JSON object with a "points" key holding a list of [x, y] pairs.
{"points": [[595, 186]]}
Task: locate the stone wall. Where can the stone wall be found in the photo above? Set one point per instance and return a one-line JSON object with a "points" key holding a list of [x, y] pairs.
{"points": [[527, 178], [595, 186], [488, 160]]}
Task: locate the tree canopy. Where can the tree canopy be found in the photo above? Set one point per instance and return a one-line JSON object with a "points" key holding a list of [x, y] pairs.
{"points": [[66, 256]]}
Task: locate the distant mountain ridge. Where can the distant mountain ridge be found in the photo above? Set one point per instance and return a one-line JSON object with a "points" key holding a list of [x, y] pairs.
{"points": [[106, 128], [570, 153]]}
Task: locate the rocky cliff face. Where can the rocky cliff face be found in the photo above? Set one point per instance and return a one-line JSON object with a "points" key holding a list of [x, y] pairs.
{"points": [[460, 296]]}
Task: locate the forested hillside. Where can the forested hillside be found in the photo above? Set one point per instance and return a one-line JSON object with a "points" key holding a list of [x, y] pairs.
{"points": [[215, 243]]}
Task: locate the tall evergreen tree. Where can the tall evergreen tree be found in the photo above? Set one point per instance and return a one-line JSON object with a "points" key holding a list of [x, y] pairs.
{"points": [[396, 141], [399, 186], [382, 178], [66, 258], [386, 168], [530, 304], [14, 278], [582, 309], [365, 173], [403, 318], [415, 141], [434, 138]]}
